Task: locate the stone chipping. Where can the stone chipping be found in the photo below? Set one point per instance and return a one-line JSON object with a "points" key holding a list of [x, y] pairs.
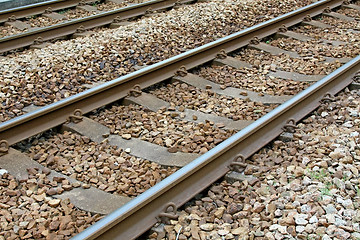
{"points": [[108, 168]]}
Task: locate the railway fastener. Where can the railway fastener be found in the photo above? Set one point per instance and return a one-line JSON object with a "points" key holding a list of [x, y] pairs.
{"points": [[222, 54], [4, 147], [255, 41], [290, 126], [76, 117], [12, 21], [283, 29], [135, 92], [168, 214], [182, 72], [328, 97], [238, 165], [289, 129], [39, 43]]}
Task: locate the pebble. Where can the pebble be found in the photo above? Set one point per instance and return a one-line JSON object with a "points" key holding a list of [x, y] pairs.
{"points": [[300, 219], [3, 171], [54, 202], [207, 226], [313, 219], [126, 136], [330, 209], [161, 129]]}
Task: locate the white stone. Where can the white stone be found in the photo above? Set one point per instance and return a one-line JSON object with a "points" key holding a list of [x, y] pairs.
{"points": [[313, 219], [324, 114], [330, 218], [282, 230], [305, 160], [307, 181], [207, 226], [274, 227], [269, 236], [279, 236], [354, 134], [330, 209], [348, 124], [3, 171], [326, 237], [278, 213], [300, 229], [305, 208]]}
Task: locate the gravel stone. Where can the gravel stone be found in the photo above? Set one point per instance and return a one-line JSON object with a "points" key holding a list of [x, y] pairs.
{"points": [[100, 165], [252, 79], [162, 129], [210, 102]]}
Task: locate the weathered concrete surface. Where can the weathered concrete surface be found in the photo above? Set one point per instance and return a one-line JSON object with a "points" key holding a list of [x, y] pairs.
{"points": [[273, 50], [154, 104], [202, 83], [295, 76], [232, 62], [139, 148], [339, 16], [232, 177], [301, 37], [317, 24], [278, 51]]}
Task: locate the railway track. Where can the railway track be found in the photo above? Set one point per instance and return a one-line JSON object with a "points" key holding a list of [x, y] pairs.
{"points": [[59, 26], [222, 106]]}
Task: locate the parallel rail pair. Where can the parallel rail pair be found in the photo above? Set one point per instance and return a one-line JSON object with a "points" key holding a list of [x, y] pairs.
{"points": [[67, 28], [135, 217]]}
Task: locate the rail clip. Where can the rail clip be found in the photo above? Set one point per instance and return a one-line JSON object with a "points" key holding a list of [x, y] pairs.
{"points": [[48, 10], [168, 214], [135, 92], [327, 10], [12, 18], [290, 126], [182, 72], [149, 11], [118, 19], [80, 29], [238, 164], [82, 3], [255, 41], [76, 117], [4, 147], [307, 18], [283, 28], [222, 54], [38, 41], [328, 97]]}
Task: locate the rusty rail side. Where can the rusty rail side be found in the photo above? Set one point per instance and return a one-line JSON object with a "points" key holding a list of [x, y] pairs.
{"points": [[55, 114], [138, 215], [69, 27], [38, 8]]}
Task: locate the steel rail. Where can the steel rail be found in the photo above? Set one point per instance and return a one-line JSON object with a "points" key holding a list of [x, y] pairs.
{"points": [[38, 8], [55, 114], [138, 215], [69, 27]]}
